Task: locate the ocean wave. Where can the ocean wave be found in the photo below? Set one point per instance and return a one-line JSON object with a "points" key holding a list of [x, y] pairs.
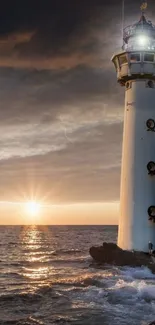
{"points": [[67, 251], [11, 275], [16, 264], [110, 288], [137, 273], [12, 243], [58, 279], [20, 297], [22, 321], [47, 251], [138, 289]]}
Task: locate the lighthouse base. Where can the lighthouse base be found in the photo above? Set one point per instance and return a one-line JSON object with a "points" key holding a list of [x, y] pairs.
{"points": [[110, 253]]}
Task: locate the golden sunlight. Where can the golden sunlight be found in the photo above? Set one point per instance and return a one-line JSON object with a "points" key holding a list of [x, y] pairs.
{"points": [[32, 208]]}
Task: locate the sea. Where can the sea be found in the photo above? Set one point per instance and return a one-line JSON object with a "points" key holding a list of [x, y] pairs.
{"points": [[47, 277]]}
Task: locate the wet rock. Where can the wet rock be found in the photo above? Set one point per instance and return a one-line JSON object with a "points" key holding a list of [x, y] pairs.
{"points": [[110, 253]]}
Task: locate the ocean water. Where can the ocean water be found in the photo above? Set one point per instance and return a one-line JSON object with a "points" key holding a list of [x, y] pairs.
{"points": [[48, 277]]}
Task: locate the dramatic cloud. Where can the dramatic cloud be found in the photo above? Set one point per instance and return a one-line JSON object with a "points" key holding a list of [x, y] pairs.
{"points": [[61, 110]]}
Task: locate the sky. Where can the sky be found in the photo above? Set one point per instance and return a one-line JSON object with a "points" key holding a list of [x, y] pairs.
{"points": [[61, 109]]}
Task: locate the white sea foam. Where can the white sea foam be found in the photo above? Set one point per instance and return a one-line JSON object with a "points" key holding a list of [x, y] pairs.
{"points": [[137, 273], [129, 294], [134, 290]]}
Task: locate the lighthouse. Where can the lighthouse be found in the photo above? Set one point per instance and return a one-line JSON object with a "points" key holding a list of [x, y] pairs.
{"points": [[135, 68]]}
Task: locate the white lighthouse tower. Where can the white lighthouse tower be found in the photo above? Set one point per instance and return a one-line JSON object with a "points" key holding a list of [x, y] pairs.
{"points": [[135, 67]]}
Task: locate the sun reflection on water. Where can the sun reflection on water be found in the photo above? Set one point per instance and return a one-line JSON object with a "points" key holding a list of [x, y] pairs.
{"points": [[35, 247], [37, 273]]}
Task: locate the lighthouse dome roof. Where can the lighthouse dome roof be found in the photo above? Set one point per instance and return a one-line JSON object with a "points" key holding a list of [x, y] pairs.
{"points": [[142, 27]]}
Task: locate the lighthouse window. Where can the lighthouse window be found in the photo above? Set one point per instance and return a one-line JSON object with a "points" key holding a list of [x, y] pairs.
{"points": [[149, 57], [135, 57], [122, 59], [150, 124], [151, 167], [150, 84], [151, 211], [128, 85]]}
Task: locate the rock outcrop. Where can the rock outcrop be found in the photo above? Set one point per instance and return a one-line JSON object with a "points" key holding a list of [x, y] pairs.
{"points": [[110, 253]]}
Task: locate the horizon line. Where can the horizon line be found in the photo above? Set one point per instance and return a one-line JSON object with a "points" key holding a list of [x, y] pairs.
{"points": [[57, 225]]}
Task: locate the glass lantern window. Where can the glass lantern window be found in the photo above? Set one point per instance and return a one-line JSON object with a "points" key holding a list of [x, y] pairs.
{"points": [[135, 57], [149, 57]]}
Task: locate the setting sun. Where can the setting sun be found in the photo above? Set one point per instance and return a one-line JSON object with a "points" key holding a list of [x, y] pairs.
{"points": [[32, 208]]}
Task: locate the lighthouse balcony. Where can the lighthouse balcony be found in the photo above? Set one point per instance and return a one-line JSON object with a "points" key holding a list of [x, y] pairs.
{"points": [[134, 64]]}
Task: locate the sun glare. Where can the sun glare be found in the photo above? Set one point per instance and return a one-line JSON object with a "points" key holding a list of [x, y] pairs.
{"points": [[32, 208]]}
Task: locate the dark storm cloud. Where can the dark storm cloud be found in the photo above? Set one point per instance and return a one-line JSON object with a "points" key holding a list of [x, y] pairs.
{"points": [[61, 34], [57, 33]]}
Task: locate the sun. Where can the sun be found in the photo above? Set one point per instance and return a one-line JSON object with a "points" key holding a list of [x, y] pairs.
{"points": [[32, 208]]}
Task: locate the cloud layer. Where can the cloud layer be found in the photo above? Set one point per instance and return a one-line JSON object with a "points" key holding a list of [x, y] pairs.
{"points": [[61, 110]]}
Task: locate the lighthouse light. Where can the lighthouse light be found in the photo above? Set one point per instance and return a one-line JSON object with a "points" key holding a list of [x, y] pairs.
{"points": [[143, 40]]}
